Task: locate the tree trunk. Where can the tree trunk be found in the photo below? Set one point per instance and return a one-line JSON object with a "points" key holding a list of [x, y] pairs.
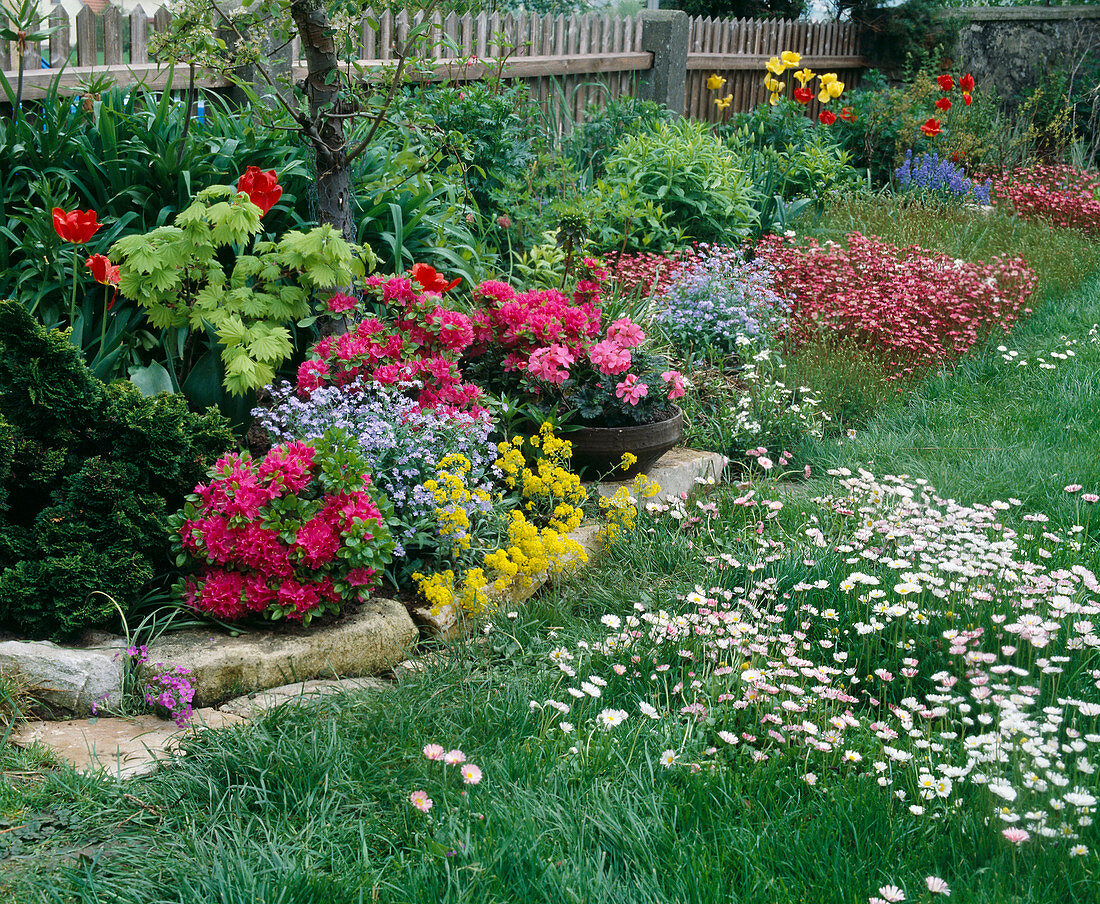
{"points": [[322, 87]]}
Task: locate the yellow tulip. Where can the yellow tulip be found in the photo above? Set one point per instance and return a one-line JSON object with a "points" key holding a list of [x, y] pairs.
{"points": [[776, 66], [790, 58], [803, 76], [723, 103], [715, 82], [830, 91], [773, 85], [827, 78], [773, 99]]}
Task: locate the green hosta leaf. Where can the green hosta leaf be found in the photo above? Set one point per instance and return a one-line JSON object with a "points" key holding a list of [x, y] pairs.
{"points": [[151, 379]]}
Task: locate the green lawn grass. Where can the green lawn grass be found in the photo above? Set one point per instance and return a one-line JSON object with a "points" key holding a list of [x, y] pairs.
{"points": [[311, 803]]}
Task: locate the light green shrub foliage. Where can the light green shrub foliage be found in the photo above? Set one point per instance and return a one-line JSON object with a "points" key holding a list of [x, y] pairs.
{"points": [[688, 176], [179, 274]]}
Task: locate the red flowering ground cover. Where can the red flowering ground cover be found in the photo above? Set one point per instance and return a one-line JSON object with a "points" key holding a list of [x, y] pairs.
{"points": [[1061, 195], [910, 308]]}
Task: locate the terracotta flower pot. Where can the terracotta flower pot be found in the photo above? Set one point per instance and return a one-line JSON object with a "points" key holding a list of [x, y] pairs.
{"points": [[597, 451]]}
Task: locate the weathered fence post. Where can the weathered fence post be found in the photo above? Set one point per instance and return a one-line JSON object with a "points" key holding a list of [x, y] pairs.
{"points": [[665, 35]]}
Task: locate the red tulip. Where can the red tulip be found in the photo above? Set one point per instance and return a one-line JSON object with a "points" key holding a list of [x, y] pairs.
{"points": [[967, 83], [827, 117], [848, 114], [431, 280], [263, 189], [76, 226], [945, 82], [103, 271], [943, 104], [967, 98], [931, 128], [803, 95]]}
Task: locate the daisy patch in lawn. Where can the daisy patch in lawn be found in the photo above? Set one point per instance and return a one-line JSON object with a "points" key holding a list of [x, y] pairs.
{"points": [[934, 651]]}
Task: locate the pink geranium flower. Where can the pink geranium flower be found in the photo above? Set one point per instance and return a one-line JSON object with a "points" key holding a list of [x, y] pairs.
{"points": [[675, 379], [631, 390]]}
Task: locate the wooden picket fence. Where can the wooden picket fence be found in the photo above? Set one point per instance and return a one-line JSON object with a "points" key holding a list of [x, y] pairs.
{"points": [[567, 62]]}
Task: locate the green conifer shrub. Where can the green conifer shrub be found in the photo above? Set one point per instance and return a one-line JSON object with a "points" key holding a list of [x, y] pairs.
{"points": [[89, 473]]}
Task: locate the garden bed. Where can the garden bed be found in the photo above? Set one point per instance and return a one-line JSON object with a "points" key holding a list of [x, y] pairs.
{"points": [[80, 681]]}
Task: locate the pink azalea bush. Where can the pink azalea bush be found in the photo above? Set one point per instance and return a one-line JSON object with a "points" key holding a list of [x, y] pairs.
{"points": [[417, 341], [293, 536], [1061, 195], [908, 307]]}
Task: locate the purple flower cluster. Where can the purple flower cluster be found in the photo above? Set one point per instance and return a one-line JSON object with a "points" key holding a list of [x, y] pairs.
{"points": [[932, 174], [168, 687], [719, 302], [403, 442]]}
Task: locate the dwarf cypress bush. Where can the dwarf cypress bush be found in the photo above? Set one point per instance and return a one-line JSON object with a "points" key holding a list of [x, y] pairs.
{"points": [[89, 473]]}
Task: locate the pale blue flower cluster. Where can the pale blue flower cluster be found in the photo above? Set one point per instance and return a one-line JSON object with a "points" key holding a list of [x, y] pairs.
{"points": [[719, 303], [932, 174], [403, 442]]}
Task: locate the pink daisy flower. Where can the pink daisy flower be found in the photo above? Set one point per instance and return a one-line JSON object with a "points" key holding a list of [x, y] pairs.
{"points": [[433, 751], [471, 774], [454, 757], [421, 801]]}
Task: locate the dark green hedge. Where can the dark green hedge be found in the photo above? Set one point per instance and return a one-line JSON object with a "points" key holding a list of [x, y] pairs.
{"points": [[89, 473]]}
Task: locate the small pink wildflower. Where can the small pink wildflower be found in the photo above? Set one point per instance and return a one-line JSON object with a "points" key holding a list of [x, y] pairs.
{"points": [[471, 774], [421, 801], [1016, 836], [676, 381], [937, 886], [1073, 488], [454, 757], [891, 893], [433, 751]]}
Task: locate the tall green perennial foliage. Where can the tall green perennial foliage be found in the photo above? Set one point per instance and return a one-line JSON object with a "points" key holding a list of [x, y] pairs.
{"points": [[209, 267]]}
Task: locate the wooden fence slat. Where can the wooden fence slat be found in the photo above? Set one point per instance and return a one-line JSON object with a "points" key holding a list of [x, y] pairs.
{"points": [[112, 36], [139, 35], [368, 38], [85, 38], [59, 38], [5, 48], [162, 19]]}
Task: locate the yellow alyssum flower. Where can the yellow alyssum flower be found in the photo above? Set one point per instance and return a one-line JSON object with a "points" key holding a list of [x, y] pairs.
{"points": [[715, 82], [790, 58], [776, 66], [628, 461], [803, 76], [722, 103]]}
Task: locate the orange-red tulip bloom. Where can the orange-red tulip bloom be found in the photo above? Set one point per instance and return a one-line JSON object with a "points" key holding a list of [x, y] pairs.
{"points": [[263, 189], [431, 279], [76, 226]]}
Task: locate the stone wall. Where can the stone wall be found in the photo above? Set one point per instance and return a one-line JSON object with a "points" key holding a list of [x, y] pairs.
{"points": [[1009, 48]]}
